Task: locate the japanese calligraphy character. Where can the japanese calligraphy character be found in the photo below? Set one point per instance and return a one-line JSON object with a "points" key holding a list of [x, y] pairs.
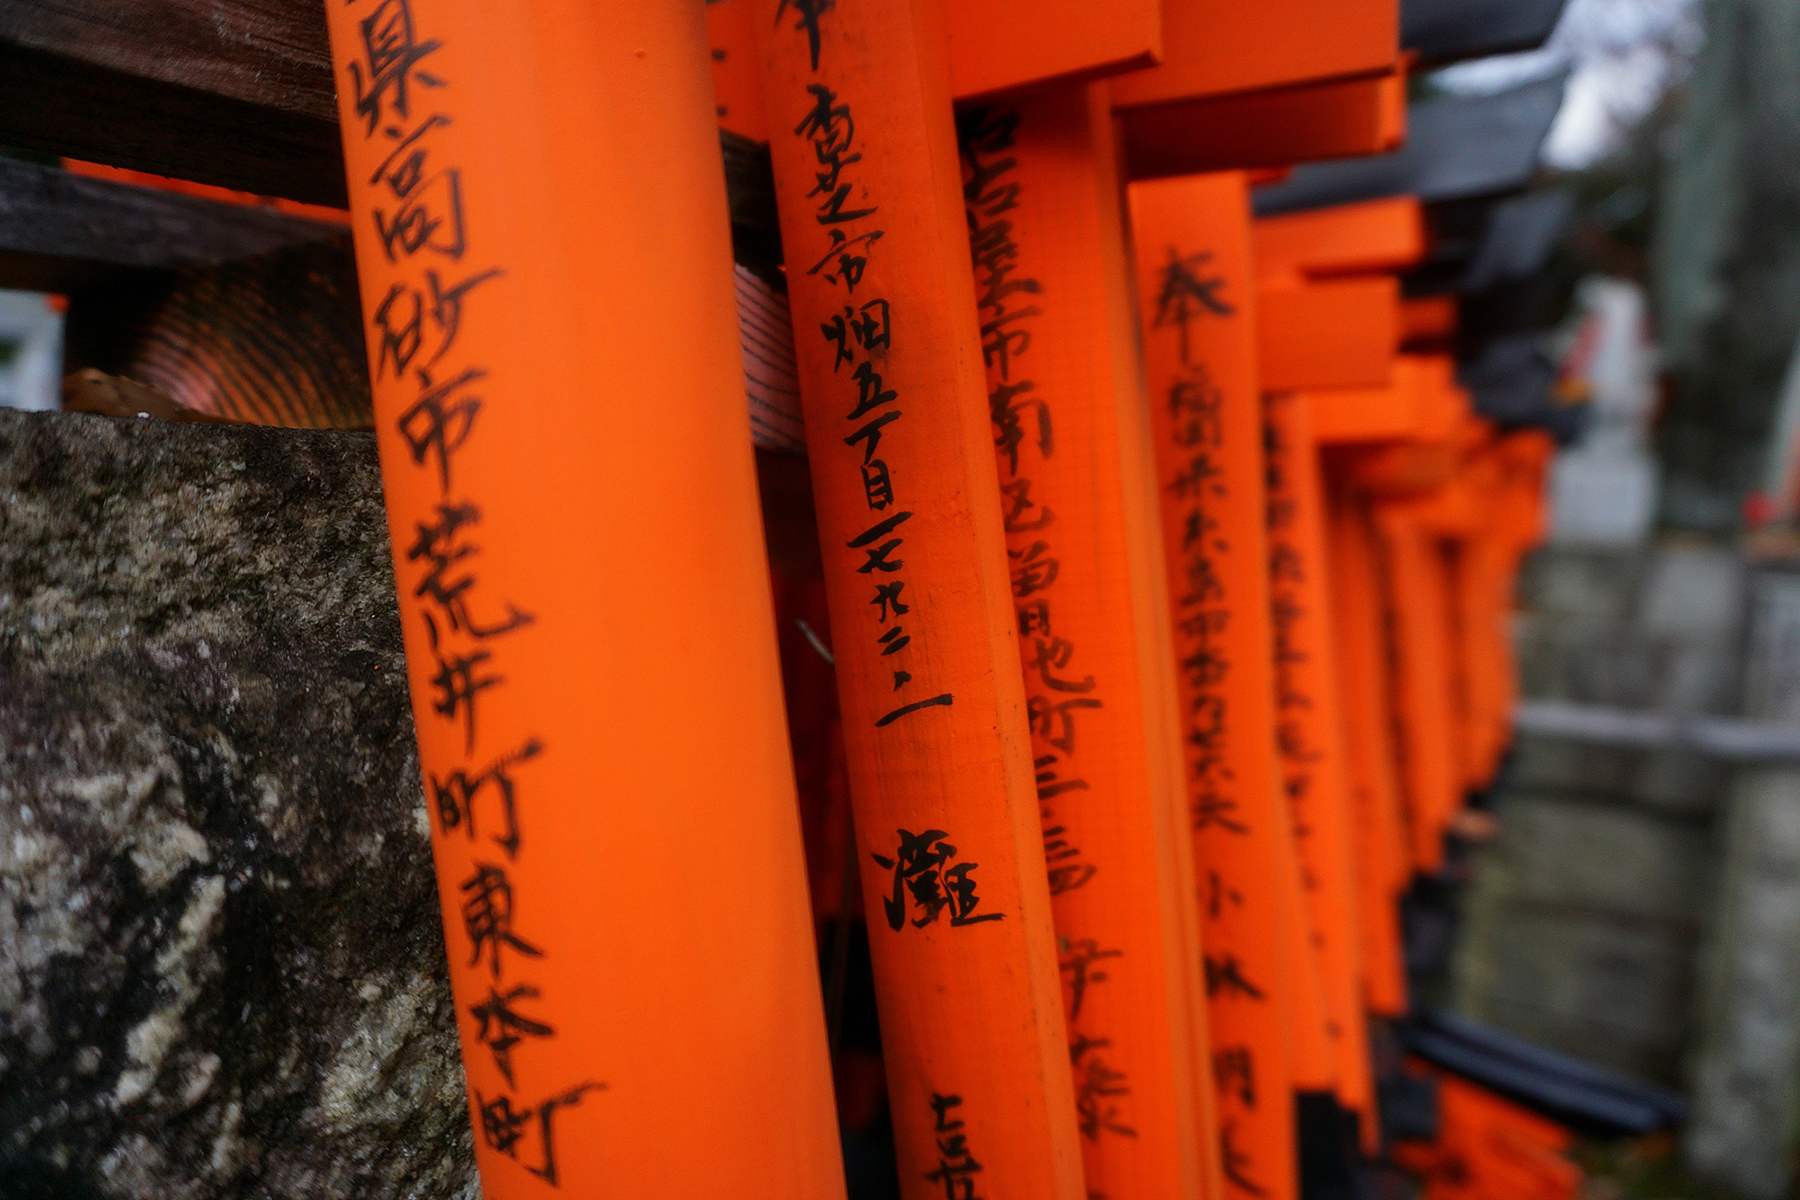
{"points": [[1053, 654], [457, 792], [1234, 1072], [1078, 963], [487, 916], [1226, 975], [439, 545], [503, 1027], [1097, 1085], [878, 485], [1186, 294], [1018, 501], [850, 265], [1054, 720], [1034, 569], [458, 681], [870, 432], [1007, 405], [887, 597], [391, 57], [439, 421], [1235, 1162], [877, 556], [430, 216], [942, 701], [809, 12], [869, 392], [955, 1164], [922, 870]]}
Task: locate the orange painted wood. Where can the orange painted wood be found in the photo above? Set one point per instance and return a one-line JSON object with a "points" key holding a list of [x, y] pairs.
{"points": [[1164, 717], [1192, 246], [1345, 239], [1383, 860], [1043, 199], [1309, 735], [1210, 48], [920, 588], [1428, 322], [997, 45], [1489, 1148], [994, 46], [1267, 127], [1343, 415], [1419, 620], [1332, 333], [737, 74], [561, 549]]}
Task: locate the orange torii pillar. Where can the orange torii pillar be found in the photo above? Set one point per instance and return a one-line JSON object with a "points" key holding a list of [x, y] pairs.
{"points": [[1330, 320], [1045, 223], [1309, 736], [1383, 857], [553, 355], [1398, 477], [1195, 287], [888, 355]]}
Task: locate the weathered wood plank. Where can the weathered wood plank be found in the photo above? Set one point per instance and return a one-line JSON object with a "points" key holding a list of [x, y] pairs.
{"points": [[237, 93], [58, 230]]}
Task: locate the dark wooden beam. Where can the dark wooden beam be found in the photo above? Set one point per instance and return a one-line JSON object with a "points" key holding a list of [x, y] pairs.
{"points": [[237, 93], [58, 230], [230, 92]]}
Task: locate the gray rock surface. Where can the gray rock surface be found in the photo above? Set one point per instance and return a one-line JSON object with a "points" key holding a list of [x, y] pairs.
{"points": [[221, 963]]}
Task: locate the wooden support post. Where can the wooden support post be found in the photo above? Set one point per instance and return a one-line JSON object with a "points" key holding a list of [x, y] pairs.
{"points": [[1418, 603], [1044, 206], [1195, 285], [888, 356], [1309, 735], [584, 596], [1382, 856]]}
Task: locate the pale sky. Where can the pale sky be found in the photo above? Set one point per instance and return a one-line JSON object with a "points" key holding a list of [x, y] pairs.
{"points": [[1622, 54]]}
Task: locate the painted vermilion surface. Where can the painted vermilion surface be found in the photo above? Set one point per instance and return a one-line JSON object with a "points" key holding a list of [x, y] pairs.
{"points": [[1196, 288], [1065, 405], [920, 591], [541, 240]]}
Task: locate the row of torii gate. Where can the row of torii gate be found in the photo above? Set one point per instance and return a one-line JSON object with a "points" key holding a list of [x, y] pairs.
{"points": [[1168, 569]]}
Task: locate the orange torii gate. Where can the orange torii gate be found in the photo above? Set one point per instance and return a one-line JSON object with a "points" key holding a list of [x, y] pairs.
{"points": [[1328, 314]]}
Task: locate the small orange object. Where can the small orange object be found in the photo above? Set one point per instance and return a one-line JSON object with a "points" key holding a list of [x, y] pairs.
{"points": [[1268, 127], [1045, 223], [1211, 48], [1196, 288], [920, 588], [1333, 333], [584, 596], [1344, 239]]}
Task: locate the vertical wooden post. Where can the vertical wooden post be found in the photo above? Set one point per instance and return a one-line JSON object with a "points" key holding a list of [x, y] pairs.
{"points": [[540, 228], [1195, 283], [888, 355], [1364, 682], [1309, 733], [1043, 198], [1418, 604]]}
